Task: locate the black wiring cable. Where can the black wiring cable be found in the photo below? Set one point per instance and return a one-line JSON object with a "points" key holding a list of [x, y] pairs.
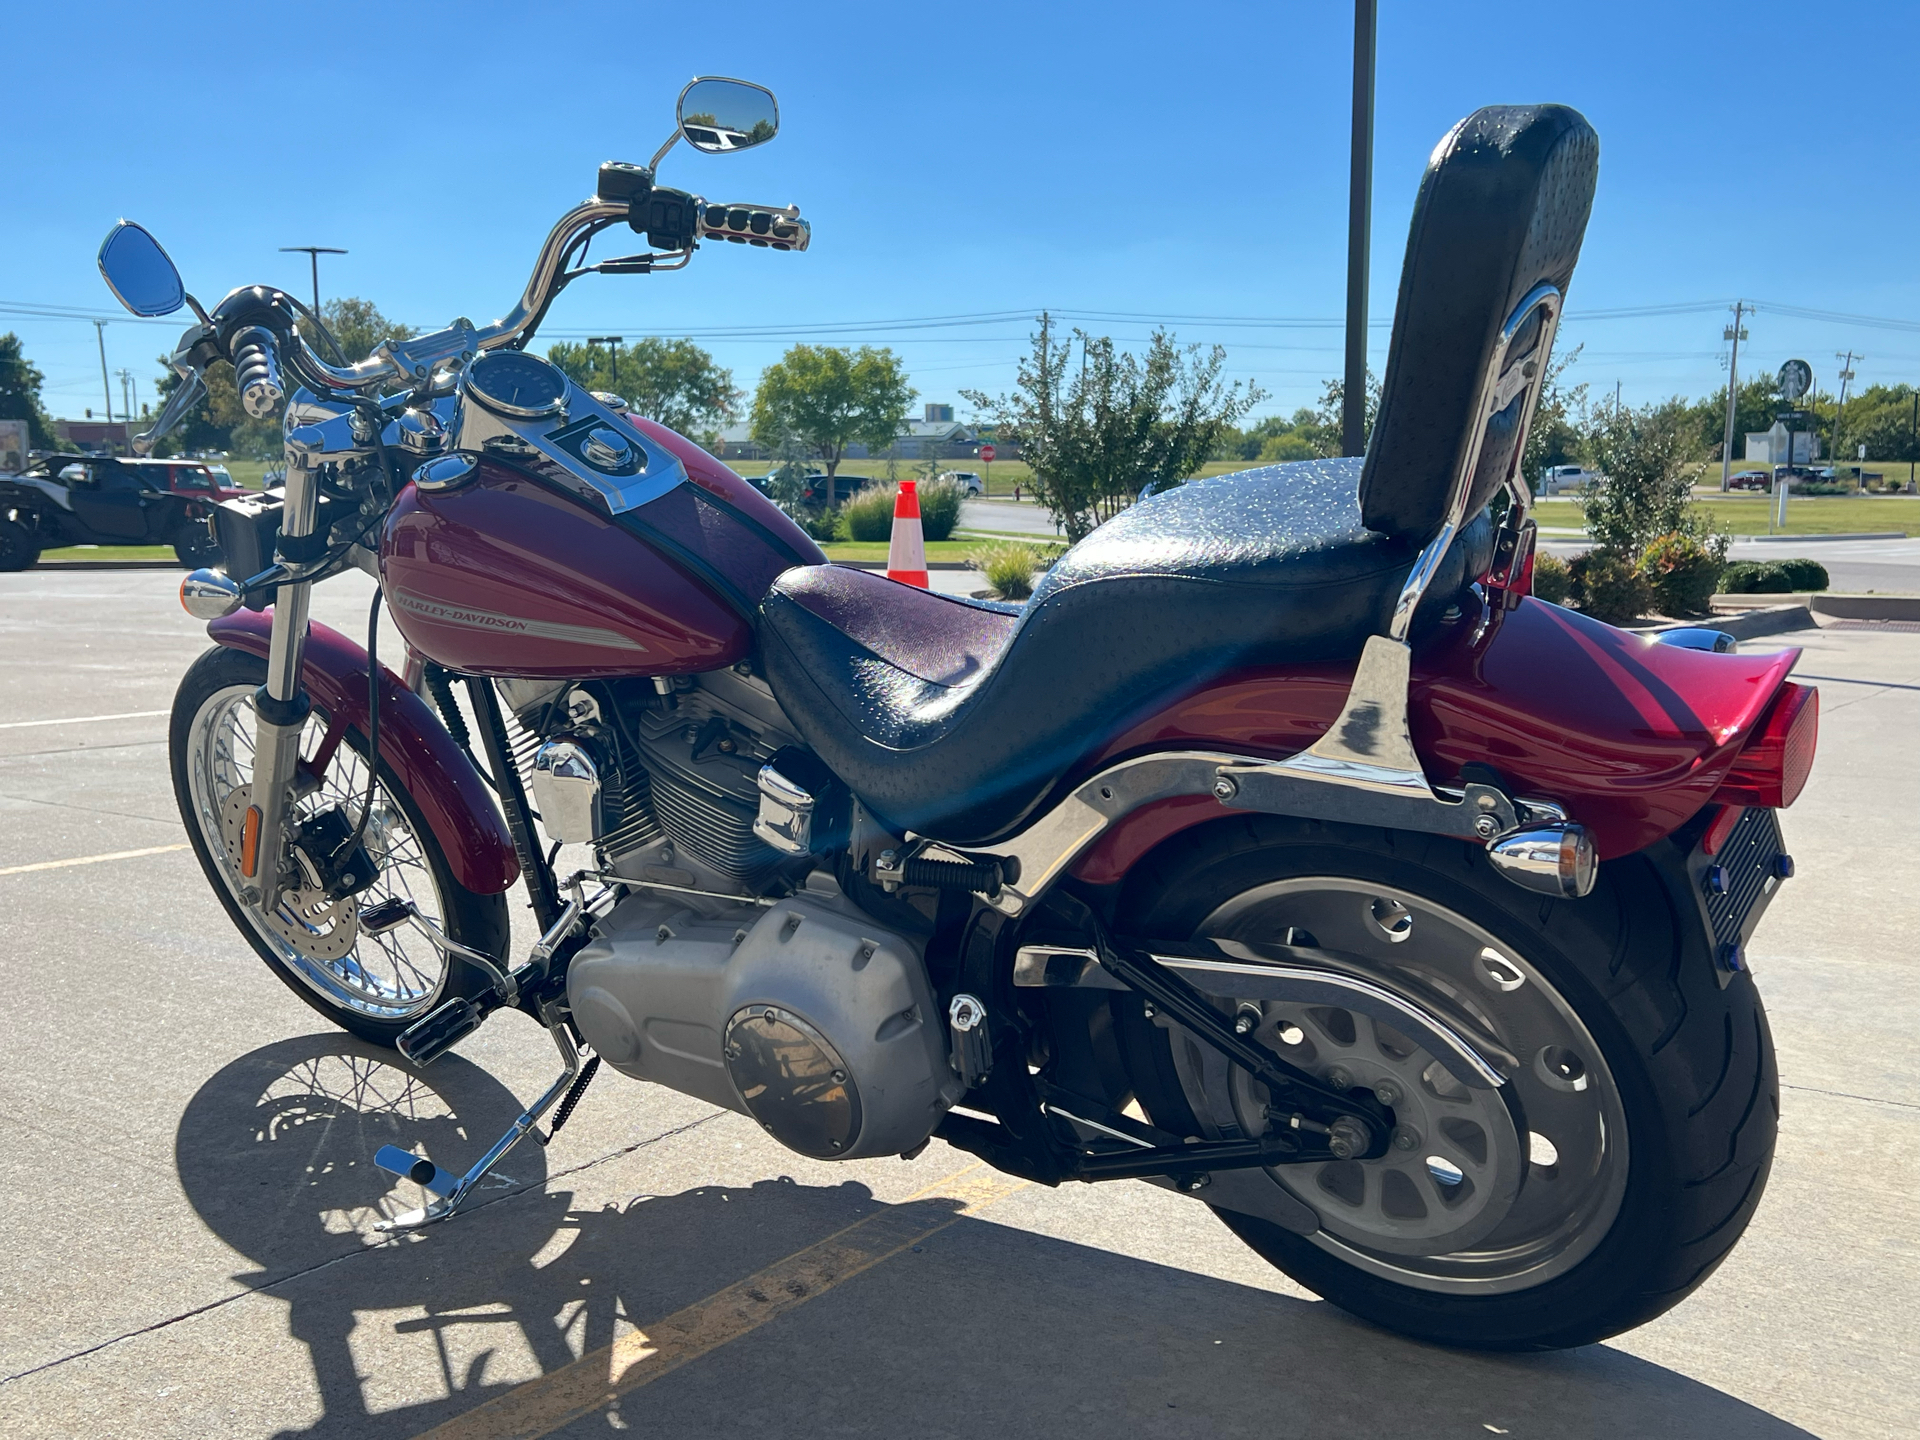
{"points": [[373, 725]]}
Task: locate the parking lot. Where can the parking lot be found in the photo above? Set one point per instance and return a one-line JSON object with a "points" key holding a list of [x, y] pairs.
{"points": [[188, 1193]]}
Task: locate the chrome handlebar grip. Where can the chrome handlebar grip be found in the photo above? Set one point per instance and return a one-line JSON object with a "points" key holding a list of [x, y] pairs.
{"points": [[770, 227], [256, 370]]}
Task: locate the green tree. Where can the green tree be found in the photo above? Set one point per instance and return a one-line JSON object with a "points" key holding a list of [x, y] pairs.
{"points": [[20, 382], [1554, 437], [828, 398], [1755, 405], [357, 325], [1321, 426], [675, 382], [1097, 433], [1646, 491]]}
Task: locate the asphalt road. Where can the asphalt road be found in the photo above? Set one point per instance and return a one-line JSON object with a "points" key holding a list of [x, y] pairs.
{"points": [[186, 1192]]}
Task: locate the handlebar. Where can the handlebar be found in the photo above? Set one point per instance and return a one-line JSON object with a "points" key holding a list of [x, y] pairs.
{"points": [[256, 356], [256, 370]]}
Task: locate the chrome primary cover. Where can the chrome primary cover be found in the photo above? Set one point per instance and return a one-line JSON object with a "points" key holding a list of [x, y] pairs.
{"points": [[1481, 1191]]}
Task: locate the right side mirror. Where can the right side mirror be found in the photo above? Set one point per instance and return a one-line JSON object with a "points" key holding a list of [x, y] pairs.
{"points": [[721, 116], [139, 273]]}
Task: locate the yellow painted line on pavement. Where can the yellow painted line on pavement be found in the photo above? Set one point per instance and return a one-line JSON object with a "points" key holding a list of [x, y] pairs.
{"points": [[85, 719], [92, 859], [596, 1380]]}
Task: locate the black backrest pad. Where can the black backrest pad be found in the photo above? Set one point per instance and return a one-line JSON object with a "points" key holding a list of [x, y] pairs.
{"points": [[1502, 208]]}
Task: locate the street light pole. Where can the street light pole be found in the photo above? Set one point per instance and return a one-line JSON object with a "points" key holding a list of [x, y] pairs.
{"points": [[313, 254], [612, 342], [1840, 406], [100, 334], [1736, 334], [1353, 395]]}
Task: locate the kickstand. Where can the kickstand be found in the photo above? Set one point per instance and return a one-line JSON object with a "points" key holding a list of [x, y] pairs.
{"points": [[451, 1189]]}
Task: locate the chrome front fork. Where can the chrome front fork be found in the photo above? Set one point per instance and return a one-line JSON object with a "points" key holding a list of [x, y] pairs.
{"points": [[281, 705]]}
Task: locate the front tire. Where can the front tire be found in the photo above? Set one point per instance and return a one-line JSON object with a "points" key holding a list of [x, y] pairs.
{"points": [[1654, 1089], [18, 548], [372, 987]]}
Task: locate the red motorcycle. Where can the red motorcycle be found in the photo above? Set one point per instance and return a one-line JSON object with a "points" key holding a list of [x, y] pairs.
{"points": [[1281, 850]]}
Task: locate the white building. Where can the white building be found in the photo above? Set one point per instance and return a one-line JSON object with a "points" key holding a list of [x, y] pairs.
{"points": [[1769, 447]]}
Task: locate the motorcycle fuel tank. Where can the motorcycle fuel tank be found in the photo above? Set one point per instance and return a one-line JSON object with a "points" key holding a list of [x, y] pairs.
{"points": [[513, 571]]}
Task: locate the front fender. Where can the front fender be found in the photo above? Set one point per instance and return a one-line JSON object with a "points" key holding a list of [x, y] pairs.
{"points": [[414, 744]]}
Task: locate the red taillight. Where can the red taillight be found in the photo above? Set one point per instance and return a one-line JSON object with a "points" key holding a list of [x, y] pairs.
{"points": [[1772, 770]]}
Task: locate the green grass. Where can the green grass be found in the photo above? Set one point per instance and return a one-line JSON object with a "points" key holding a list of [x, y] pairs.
{"points": [[1000, 477], [1748, 514], [110, 552]]}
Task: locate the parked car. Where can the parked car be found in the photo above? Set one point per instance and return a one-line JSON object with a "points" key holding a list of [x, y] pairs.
{"points": [[1556, 478], [966, 478], [1750, 480], [104, 500]]}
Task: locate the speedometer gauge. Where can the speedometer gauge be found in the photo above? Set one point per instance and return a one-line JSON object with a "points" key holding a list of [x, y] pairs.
{"points": [[512, 382]]}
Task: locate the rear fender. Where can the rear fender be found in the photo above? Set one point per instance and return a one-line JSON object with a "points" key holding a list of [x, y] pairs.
{"points": [[414, 744], [1632, 737]]}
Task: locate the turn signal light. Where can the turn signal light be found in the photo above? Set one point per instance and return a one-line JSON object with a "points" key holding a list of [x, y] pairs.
{"points": [[1772, 770]]}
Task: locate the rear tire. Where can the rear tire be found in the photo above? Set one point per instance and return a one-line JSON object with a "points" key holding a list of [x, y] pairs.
{"points": [[18, 548], [194, 546], [377, 987], [1691, 1064]]}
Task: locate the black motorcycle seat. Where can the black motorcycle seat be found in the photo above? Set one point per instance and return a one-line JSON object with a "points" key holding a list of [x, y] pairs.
{"points": [[956, 719]]}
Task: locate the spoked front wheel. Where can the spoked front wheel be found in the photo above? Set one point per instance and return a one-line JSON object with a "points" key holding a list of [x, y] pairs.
{"points": [[1592, 1191], [372, 986]]}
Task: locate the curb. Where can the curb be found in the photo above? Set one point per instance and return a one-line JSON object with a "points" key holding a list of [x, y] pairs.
{"points": [[1867, 607], [1815, 539], [1774, 620]]}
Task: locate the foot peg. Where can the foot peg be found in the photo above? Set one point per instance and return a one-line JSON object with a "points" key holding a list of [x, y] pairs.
{"points": [[437, 1032]]}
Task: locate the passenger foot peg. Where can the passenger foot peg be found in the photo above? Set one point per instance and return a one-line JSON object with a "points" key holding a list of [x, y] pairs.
{"points": [[431, 1036]]}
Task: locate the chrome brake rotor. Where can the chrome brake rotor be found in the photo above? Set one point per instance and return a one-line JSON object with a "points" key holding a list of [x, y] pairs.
{"points": [[316, 927]]}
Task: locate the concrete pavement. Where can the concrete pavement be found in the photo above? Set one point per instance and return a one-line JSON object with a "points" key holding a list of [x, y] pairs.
{"points": [[187, 1192]]}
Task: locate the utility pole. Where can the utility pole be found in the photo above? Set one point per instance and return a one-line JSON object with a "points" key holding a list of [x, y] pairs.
{"points": [[1736, 334], [1616, 397], [126, 399], [313, 254], [612, 342], [100, 334], [1353, 394], [1840, 408]]}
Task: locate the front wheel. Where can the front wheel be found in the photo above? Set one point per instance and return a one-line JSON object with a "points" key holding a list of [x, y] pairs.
{"points": [[1593, 1191], [372, 986]]}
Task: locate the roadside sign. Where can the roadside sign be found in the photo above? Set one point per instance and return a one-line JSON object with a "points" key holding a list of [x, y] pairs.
{"points": [[1796, 378], [986, 454]]}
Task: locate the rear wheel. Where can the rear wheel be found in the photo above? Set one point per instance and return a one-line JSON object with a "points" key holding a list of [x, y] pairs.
{"points": [[18, 548], [194, 545], [1592, 1192], [372, 986]]}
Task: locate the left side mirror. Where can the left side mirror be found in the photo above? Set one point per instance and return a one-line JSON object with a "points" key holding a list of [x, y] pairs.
{"points": [[139, 273], [720, 116]]}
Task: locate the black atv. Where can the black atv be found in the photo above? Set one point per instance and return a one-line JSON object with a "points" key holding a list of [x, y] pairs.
{"points": [[102, 500]]}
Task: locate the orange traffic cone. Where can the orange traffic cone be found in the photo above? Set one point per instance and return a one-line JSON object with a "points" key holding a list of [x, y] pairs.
{"points": [[906, 551]]}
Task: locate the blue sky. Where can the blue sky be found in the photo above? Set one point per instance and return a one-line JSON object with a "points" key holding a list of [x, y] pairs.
{"points": [[1140, 160]]}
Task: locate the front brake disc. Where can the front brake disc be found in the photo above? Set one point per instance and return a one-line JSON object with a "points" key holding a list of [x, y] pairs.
{"points": [[316, 927]]}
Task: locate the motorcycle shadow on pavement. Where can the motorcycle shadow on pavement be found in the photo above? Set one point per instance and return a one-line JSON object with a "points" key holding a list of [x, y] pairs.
{"points": [[983, 1328]]}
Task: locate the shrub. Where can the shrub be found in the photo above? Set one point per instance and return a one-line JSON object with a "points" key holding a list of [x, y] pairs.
{"points": [[818, 521], [869, 515], [1754, 577], [1283, 448], [1804, 574], [1610, 588], [1683, 572], [939, 507], [1552, 581], [1008, 568]]}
